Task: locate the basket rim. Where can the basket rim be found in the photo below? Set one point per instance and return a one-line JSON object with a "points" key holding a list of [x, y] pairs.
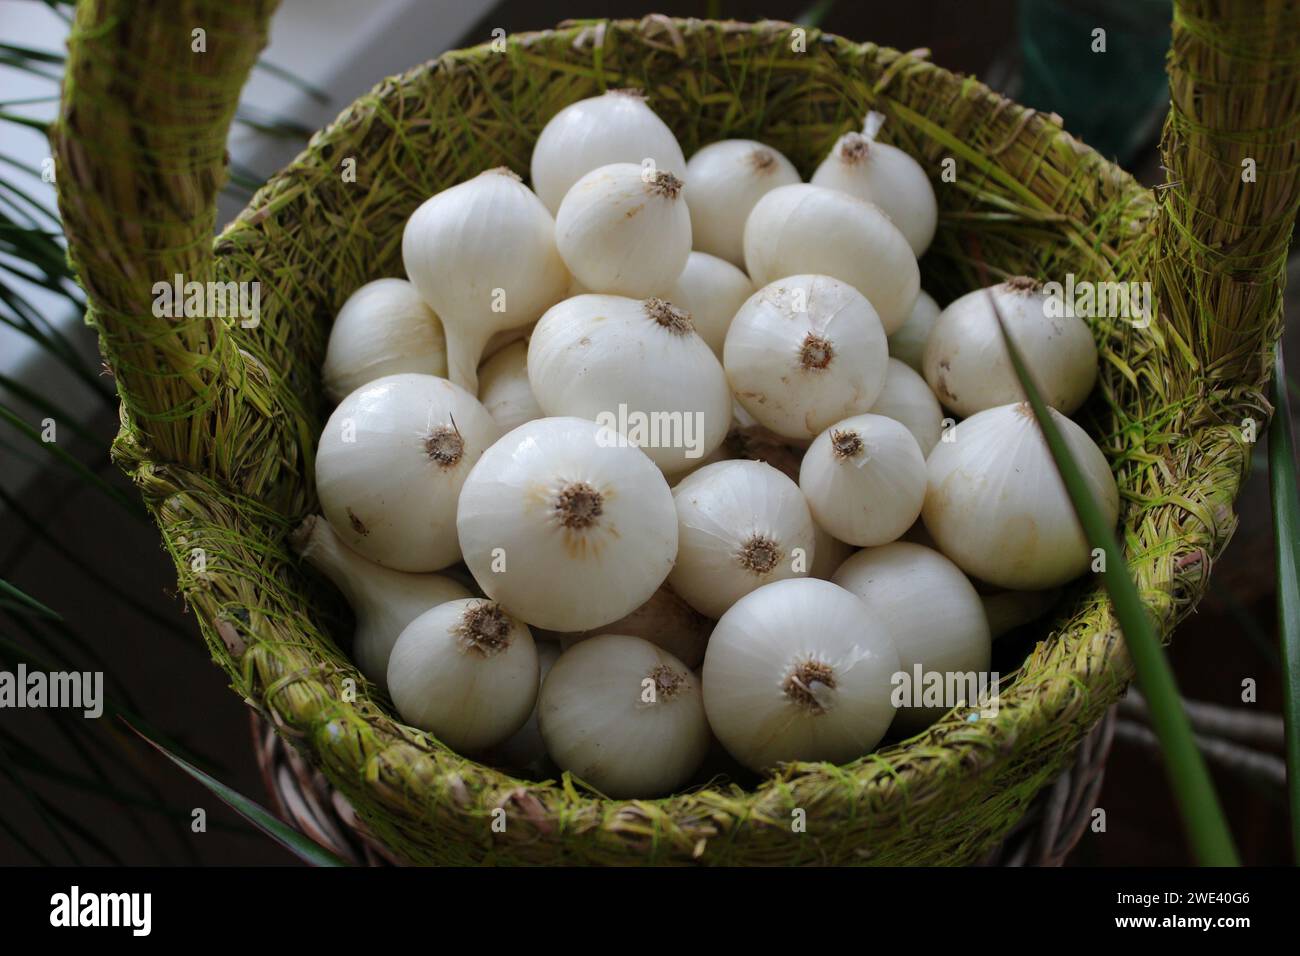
{"points": [[956, 724]]}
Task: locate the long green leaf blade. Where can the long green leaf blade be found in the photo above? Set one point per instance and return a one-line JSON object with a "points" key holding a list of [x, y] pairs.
{"points": [[116, 590], [1202, 815], [1286, 528], [288, 76], [85, 474], [29, 758], [815, 14], [38, 804], [21, 597], [307, 850]]}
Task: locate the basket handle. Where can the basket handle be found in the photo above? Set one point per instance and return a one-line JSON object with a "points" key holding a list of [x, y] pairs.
{"points": [[149, 94], [1231, 148]]}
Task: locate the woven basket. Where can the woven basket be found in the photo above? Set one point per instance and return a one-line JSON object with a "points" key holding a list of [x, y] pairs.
{"points": [[1051, 827], [220, 421]]}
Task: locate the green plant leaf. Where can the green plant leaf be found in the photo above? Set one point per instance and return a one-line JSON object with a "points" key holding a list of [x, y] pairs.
{"points": [[268, 124], [48, 654], [27, 65], [815, 15], [47, 406], [20, 200], [54, 768], [57, 5], [31, 100], [25, 600], [133, 508], [279, 72], [16, 835], [1286, 537], [23, 318], [1203, 819], [112, 706], [32, 255], [41, 126], [38, 805], [32, 54], [29, 758], [307, 850], [112, 588], [62, 818], [56, 638]]}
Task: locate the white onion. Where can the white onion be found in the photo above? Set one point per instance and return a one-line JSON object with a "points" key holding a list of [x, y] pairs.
{"points": [[504, 390], [966, 360], [888, 177], [624, 716], [466, 672], [799, 670], [391, 462], [740, 525], [712, 290], [566, 525], [864, 479], [805, 352], [907, 399], [803, 229], [636, 366], [908, 343], [482, 254], [382, 600], [382, 329], [616, 127], [930, 611], [996, 504], [727, 178], [623, 233]]}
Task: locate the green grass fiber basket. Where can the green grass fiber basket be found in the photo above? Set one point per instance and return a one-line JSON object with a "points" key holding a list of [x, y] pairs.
{"points": [[219, 421]]}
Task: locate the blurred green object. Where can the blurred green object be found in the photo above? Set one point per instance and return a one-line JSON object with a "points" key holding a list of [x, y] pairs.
{"points": [[1109, 86]]}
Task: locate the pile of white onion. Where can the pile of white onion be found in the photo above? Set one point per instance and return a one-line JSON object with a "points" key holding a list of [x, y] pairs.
{"points": [[532, 490]]}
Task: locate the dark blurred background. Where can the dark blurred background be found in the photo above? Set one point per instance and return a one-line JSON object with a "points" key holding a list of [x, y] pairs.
{"points": [[67, 542]]}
